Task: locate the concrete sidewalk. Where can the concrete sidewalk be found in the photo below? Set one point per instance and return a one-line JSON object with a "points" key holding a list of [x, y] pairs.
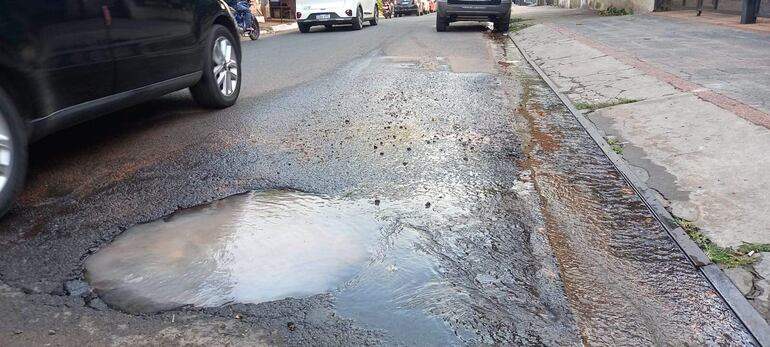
{"points": [[686, 101]]}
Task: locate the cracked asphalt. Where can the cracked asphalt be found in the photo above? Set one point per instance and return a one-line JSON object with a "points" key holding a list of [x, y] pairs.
{"points": [[519, 230]]}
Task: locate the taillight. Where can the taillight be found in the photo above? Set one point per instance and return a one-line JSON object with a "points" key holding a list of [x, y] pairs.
{"points": [[299, 15], [349, 13]]}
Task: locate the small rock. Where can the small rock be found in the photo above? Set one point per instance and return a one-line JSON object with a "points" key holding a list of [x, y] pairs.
{"points": [[743, 279], [291, 326], [98, 304], [404, 163], [382, 153], [17, 332], [237, 316], [376, 202], [427, 205], [52, 332], [408, 149]]}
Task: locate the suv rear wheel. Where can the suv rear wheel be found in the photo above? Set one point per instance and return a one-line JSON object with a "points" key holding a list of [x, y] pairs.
{"points": [[441, 23], [358, 22], [13, 153], [376, 16], [221, 81], [502, 26]]}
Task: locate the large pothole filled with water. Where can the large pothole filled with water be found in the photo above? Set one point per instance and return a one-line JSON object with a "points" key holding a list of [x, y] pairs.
{"points": [[265, 246], [248, 248]]}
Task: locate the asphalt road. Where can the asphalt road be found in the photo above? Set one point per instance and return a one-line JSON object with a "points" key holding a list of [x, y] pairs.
{"points": [[501, 221]]}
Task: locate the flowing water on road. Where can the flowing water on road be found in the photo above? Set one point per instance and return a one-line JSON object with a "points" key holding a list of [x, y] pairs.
{"points": [[494, 220], [458, 209], [627, 282]]}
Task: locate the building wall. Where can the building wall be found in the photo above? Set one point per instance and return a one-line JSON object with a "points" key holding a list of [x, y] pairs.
{"points": [[638, 6], [725, 6]]}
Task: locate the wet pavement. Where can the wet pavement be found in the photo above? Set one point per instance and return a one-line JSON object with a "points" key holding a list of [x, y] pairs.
{"points": [[424, 190]]}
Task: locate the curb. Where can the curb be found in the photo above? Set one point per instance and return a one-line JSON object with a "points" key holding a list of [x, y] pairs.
{"points": [[754, 323]]}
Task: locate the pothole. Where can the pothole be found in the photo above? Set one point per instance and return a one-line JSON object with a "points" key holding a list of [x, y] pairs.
{"points": [[248, 248]]}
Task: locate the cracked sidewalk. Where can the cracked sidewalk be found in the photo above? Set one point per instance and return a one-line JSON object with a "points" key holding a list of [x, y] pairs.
{"points": [[688, 101]]}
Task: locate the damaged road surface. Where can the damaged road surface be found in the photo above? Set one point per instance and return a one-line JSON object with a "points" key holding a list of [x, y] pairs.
{"points": [[408, 188]]}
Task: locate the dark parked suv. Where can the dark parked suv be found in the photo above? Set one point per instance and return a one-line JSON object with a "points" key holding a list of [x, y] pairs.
{"points": [[63, 62], [496, 11]]}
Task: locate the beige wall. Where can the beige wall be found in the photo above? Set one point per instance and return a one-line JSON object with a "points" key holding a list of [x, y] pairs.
{"points": [[638, 6]]}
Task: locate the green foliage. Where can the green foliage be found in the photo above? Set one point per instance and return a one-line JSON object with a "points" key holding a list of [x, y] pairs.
{"points": [[518, 23], [725, 256], [379, 6], [602, 104], [614, 11], [616, 145]]}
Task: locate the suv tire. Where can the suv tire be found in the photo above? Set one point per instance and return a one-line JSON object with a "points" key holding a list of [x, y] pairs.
{"points": [[11, 126], [358, 21], [441, 24], [304, 28], [502, 27], [373, 22], [209, 92]]}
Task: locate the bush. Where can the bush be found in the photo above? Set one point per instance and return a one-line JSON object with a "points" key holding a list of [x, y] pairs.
{"points": [[614, 11]]}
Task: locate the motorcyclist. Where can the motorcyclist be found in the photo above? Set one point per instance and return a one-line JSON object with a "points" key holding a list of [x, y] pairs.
{"points": [[243, 8]]}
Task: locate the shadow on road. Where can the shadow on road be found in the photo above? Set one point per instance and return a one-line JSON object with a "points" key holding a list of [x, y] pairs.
{"points": [[112, 126]]}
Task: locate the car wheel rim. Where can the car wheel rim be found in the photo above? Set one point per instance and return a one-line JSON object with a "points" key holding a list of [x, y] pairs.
{"points": [[225, 66], [6, 150]]}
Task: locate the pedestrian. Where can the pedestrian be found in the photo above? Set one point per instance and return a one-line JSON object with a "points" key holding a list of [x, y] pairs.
{"points": [[699, 7]]}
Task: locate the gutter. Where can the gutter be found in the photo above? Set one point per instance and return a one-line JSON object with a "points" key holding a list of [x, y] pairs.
{"points": [[751, 319]]}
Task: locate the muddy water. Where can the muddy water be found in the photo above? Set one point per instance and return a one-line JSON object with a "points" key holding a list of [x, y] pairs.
{"points": [[626, 280], [248, 248], [499, 223]]}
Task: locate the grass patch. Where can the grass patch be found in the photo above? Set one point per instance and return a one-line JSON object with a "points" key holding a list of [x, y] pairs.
{"points": [[518, 23], [593, 106], [614, 11], [724, 256], [615, 144]]}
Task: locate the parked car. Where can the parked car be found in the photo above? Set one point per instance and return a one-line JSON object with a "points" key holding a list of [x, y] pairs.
{"points": [[496, 11], [64, 62], [333, 12], [408, 7]]}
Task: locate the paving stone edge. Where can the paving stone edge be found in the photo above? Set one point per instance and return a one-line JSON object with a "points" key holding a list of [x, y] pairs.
{"points": [[751, 319]]}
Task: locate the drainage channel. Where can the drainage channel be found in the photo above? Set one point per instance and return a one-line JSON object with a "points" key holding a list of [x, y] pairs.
{"points": [[727, 291]]}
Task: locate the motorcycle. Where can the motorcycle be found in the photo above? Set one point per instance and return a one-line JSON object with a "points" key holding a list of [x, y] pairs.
{"points": [[387, 9], [253, 31]]}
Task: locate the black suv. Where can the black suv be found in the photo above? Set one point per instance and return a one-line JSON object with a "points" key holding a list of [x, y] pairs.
{"points": [[63, 62]]}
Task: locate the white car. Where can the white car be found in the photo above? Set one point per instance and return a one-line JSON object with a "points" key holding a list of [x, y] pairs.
{"points": [[333, 12]]}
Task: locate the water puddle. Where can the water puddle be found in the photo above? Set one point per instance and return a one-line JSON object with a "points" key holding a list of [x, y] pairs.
{"points": [[248, 248], [265, 246]]}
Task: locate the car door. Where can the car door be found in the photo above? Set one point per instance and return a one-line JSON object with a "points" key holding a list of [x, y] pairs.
{"points": [[152, 41], [62, 45]]}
